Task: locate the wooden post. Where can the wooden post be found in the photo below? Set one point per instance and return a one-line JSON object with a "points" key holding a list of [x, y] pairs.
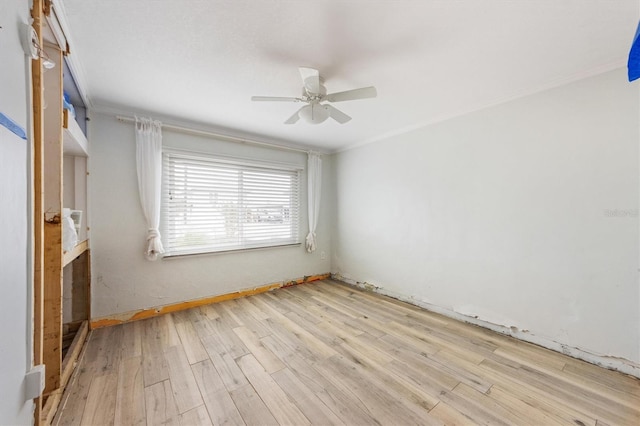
{"points": [[52, 344], [37, 188], [88, 280], [79, 288]]}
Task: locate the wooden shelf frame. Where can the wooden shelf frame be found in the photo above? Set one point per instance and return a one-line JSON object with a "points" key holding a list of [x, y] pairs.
{"points": [[75, 142], [71, 255], [56, 135]]}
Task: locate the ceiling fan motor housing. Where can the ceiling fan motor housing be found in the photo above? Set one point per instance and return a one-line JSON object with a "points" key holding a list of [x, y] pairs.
{"points": [[307, 91]]}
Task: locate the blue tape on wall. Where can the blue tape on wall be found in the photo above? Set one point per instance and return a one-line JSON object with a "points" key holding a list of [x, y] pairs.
{"points": [[634, 57], [13, 126]]}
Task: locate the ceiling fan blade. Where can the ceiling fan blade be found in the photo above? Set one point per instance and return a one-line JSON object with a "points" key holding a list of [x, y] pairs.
{"points": [[336, 114], [275, 99], [352, 95], [310, 79], [294, 118]]}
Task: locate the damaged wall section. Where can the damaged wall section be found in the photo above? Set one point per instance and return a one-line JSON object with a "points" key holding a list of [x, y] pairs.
{"points": [[504, 214]]}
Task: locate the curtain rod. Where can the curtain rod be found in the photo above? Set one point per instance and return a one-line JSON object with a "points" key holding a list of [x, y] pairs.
{"points": [[196, 132]]}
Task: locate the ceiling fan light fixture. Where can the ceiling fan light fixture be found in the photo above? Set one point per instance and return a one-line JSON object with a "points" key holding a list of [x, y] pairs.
{"points": [[314, 113], [313, 93]]}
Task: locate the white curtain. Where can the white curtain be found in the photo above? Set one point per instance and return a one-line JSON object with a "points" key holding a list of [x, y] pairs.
{"points": [[314, 185], [149, 161]]}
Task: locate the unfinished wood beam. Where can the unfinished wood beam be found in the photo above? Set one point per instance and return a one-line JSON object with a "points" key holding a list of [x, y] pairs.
{"points": [[72, 254], [79, 297], [88, 288], [68, 365], [52, 344], [52, 217], [37, 191], [73, 353], [50, 407], [46, 8]]}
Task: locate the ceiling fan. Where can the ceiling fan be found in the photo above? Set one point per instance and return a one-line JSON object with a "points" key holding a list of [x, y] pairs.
{"points": [[314, 93]]}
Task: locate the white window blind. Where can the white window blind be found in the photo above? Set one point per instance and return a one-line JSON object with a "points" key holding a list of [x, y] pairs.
{"points": [[212, 204]]}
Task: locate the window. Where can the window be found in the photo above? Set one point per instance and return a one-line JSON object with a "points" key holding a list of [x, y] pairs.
{"points": [[212, 204]]}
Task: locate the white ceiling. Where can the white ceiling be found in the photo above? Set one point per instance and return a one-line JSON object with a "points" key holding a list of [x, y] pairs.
{"points": [[200, 61]]}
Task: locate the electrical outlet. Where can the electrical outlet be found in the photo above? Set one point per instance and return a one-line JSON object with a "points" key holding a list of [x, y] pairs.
{"points": [[34, 382], [323, 255]]}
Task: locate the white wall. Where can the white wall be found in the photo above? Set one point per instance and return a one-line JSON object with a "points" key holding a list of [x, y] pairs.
{"points": [[523, 214], [123, 281], [15, 278]]}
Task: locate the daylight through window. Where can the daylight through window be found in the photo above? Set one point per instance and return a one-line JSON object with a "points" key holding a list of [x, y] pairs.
{"points": [[211, 204]]}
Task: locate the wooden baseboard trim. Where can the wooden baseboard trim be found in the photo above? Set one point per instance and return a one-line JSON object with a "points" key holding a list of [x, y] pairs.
{"points": [[180, 306], [50, 407], [68, 366], [69, 362]]}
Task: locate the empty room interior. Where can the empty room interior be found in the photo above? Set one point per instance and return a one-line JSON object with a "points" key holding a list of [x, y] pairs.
{"points": [[347, 212]]}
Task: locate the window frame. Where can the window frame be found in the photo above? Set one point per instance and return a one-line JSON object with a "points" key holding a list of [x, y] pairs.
{"points": [[243, 165]]}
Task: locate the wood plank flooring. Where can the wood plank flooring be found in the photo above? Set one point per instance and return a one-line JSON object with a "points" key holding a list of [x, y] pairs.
{"points": [[326, 353]]}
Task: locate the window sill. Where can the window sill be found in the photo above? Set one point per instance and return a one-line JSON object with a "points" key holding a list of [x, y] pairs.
{"points": [[171, 256]]}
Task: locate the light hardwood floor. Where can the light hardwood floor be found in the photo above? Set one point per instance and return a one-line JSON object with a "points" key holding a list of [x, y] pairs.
{"points": [[326, 353]]}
